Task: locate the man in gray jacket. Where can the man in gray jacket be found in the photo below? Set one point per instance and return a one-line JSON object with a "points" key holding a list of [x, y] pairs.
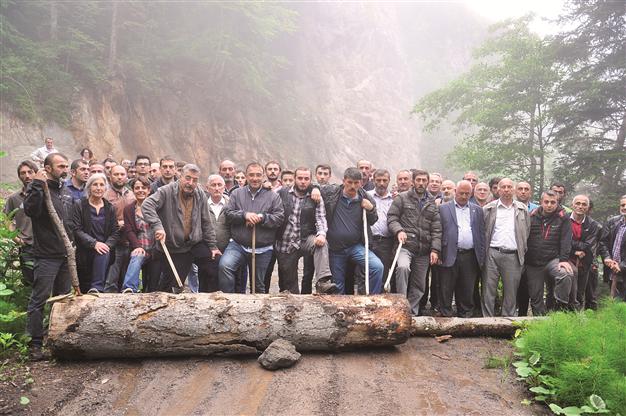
{"points": [[250, 207], [507, 226], [174, 212]]}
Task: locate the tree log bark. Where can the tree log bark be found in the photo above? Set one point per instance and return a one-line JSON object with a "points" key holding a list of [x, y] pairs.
{"points": [[162, 324], [424, 326]]}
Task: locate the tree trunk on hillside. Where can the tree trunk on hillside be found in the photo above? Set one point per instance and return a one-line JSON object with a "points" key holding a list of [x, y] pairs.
{"points": [[162, 324], [467, 327], [113, 39]]}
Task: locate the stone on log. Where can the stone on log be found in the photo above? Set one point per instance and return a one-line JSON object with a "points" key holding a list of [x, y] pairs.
{"points": [[162, 324]]}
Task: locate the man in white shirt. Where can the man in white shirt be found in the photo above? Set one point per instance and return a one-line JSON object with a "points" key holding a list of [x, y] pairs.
{"points": [[40, 154], [507, 227]]}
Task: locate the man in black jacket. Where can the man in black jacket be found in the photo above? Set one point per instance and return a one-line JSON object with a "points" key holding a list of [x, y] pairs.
{"points": [[51, 273], [549, 246], [248, 207], [584, 242], [344, 204], [302, 233], [613, 250]]}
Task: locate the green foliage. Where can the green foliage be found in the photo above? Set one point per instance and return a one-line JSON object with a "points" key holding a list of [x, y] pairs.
{"points": [[577, 360], [215, 51]]}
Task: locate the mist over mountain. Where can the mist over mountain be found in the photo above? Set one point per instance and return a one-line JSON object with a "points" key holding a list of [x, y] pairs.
{"points": [[340, 85]]}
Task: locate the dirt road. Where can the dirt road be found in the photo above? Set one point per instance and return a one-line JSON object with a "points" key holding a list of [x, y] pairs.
{"points": [[419, 377]]}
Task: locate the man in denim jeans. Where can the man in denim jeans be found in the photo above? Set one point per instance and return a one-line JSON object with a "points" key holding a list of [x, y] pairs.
{"points": [[249, 207], [344, 208]]}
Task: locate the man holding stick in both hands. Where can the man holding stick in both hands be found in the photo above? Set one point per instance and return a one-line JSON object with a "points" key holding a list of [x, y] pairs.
{"points": [[173, 213]]}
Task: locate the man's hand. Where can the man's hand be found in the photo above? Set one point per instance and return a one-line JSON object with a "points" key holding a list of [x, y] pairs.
{"points": [[138, 252], [120, 223], [566, 266], [101, 248], [159, 235], [613, 265], [215, 254], [402, 237], [366, 205], [580, 254], [316, 195], [267, 185], [253, 218], [434, 258], [41, 175], [320, 240]]}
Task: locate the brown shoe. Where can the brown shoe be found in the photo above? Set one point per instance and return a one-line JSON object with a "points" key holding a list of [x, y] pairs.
{"points": [[325, 287], [35, 353]]}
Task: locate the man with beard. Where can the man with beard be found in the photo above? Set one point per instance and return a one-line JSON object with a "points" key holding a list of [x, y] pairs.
{"points": [[365, 166], [79, 170], [227, 172], [302, 233], [51, 272], [547, 258], [178, 214], [167, 170], [414, 220], [448, 190], [493, 188], [15, 202], [382, 241], [561, 192], [272, 173], [248, 207], [403, 180], [119, 196]]}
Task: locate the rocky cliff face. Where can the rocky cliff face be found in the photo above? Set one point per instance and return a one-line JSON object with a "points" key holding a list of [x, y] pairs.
{"points": [[346, 94]]}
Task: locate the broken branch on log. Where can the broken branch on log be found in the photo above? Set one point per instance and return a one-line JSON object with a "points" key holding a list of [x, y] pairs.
{"points": [[426, 326]]}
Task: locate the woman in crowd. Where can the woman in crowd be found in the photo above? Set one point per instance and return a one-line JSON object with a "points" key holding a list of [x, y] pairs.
{"points": [[96, 233], [141, 240], [240, 178], [86, 154]]}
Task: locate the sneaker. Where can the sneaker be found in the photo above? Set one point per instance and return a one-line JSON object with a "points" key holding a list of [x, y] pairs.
{"points": [[128, 290], [325, 287], [93, 291], [35, 353]]}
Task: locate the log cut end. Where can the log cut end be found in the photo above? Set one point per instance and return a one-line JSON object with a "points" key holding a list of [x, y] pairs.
{"points": [[162, 324]]}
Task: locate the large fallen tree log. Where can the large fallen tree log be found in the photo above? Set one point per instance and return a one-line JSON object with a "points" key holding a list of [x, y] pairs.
{"points": [[161, 324], [467, 327]]}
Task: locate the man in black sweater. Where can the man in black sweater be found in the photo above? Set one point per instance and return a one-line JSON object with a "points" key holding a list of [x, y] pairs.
{"points": [[51, 272], [549, 247]]}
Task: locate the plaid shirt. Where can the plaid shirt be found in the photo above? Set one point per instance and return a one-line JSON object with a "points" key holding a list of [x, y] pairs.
{"points": [[291, 239]]}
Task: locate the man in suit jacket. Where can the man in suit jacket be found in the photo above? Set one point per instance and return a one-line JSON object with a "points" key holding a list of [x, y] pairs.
{"points": [[463, 251]]}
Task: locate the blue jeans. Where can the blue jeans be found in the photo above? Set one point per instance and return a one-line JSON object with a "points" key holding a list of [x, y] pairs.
{"points": [[234, 258], [99, 270], [339, 261], [131, 278], [192, 278]]}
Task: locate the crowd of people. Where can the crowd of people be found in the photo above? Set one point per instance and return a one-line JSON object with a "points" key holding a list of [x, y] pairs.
{"points": [[141, 226]]}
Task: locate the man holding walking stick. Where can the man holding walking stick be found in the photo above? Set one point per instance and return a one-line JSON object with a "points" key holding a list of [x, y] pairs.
{"points": [[254, 213], [174, 212]]}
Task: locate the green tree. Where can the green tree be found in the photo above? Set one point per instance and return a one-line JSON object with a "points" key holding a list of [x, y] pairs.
{"points": [[591, 105], [501, 106]]}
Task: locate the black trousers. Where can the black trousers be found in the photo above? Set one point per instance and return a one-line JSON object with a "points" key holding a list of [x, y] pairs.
{"points": [[458, 281], [383, 248], [267, 280], [307, 274], [432, 288], [200, 254]]}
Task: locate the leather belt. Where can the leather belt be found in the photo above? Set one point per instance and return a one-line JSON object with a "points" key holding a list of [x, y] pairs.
{"points": [[504, 250], [465, 250], [379, 237]]}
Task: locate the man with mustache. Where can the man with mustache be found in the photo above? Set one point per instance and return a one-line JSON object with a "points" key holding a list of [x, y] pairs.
{"points": [[178, 214]]}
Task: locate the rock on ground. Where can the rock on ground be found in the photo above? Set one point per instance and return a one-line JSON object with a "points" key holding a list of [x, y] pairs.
{"points": [[279, 354]]}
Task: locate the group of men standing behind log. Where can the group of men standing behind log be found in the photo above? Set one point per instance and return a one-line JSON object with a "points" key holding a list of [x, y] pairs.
{"points": [[455, 232]]}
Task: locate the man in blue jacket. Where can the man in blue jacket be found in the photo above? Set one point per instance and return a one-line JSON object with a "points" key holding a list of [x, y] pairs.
{"points": [[462, 250]]}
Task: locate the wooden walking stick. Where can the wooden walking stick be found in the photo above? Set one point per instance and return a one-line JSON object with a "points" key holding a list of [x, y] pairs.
{"points": [[393, 267], [58, 225], [169, 260], [253, 273], [367, 253]]}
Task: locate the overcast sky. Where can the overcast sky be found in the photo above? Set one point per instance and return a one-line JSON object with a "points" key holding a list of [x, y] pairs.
{"points": [[502, 9]]}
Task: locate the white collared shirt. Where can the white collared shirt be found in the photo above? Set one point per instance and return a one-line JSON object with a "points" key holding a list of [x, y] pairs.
{"points": [[217, 208], [504, 228], [464, 222]]}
